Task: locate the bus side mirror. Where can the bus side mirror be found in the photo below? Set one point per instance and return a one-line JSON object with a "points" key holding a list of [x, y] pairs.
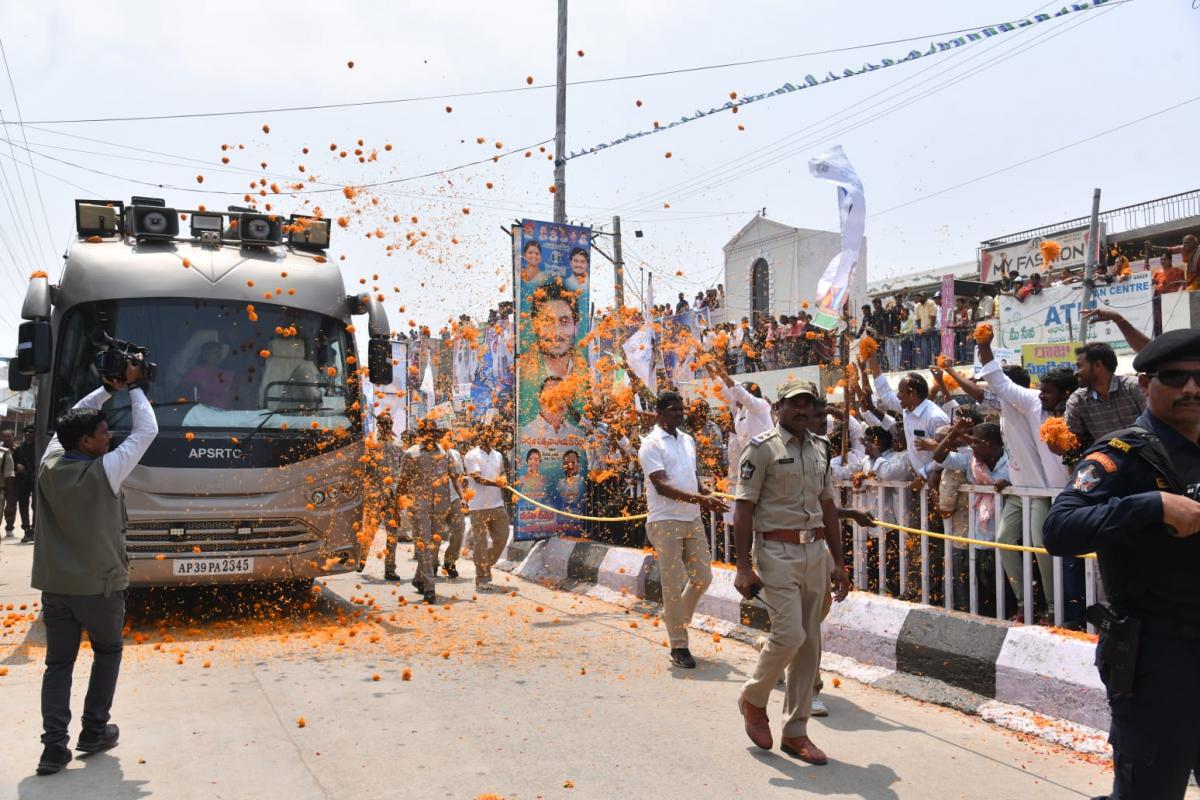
{"points": [[33, 347], [16, 381], [379, 361]]}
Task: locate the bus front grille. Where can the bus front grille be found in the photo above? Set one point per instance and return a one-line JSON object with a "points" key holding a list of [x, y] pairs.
{"points": [[276, 536]]}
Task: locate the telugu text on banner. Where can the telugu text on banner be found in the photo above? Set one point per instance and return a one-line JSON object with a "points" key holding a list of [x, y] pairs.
{"points": [[553, 272]]}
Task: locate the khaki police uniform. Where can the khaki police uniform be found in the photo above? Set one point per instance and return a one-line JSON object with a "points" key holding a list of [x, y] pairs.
{"points": [[452, 525], [786, 478], [426, 476]]}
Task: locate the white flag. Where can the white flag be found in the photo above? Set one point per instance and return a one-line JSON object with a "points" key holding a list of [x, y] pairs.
{"points": [[427, 384], [834, 285], [639, 354]]}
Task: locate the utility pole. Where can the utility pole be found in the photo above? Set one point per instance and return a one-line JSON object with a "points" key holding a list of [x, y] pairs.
{"points": [[1089, 262], [560, 120], [618, 264]]}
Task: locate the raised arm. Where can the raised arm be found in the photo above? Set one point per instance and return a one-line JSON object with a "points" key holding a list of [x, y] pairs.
{"points": [[1136, 339], [887, 395], [120, 462], [1027, 401]]}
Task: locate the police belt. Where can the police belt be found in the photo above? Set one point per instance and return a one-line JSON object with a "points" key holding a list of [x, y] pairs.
{"points": [[792, 536]]}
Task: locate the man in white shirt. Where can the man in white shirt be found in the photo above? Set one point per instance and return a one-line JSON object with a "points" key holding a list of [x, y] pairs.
{"points": [[485, 502], [1031, 464], [751, 415], [674, 499], [80, 562], [921, 416]]}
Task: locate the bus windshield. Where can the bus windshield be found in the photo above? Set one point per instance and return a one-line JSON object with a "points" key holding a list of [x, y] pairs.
{"points": [[221, 366]]}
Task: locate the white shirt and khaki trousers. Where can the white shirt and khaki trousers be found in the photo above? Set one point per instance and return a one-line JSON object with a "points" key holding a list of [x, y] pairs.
{"points": [[786, 478], [675, 531], [489, 518]]}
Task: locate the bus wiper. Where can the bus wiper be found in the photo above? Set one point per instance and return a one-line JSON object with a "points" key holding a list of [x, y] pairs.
{"points": [[295, 410]]}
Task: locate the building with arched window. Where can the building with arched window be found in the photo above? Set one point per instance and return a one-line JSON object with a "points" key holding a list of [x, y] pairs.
{"points": [[772, 268]]}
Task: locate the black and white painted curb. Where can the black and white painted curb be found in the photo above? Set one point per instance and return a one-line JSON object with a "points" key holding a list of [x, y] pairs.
{"points": [[1025, 678]]}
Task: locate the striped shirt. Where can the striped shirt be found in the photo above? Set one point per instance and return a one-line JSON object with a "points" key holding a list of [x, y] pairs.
{"points": [[1091, 417]]}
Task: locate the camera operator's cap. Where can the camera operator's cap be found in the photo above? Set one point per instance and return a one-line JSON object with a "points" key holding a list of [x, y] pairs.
{"points": [[793, 387], [1171, 346]]}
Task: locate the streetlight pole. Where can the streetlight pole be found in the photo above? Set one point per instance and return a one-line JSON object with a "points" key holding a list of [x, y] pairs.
{"points": [[560, 120], [618, 264]]}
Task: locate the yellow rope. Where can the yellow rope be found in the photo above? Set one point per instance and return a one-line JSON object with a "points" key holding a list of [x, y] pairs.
{"points": [[1019, 548], [562, 513]]}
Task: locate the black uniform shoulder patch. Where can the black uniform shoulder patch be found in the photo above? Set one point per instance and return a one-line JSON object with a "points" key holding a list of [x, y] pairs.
{"points": [[747, 470], [1087, 477]]}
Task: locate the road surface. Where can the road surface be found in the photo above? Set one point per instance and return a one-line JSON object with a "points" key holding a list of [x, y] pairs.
{"points": [[530, 694]]}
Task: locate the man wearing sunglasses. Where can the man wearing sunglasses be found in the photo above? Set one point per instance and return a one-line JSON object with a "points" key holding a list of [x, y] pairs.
{"points": [[1132, 501]]}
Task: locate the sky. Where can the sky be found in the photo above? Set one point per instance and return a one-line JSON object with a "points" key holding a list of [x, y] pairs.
{"points": [[914, 131]]}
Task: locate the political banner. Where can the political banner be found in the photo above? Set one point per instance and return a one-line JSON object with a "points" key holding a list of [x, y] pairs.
{"points": [[492, 385], [946, 316], [1038, 359], [552, 266], [1053, 316], [833, 286]]}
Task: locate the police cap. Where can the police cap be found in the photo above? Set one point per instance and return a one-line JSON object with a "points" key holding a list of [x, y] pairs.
{"points": [[1171, 346], [794, 386]]}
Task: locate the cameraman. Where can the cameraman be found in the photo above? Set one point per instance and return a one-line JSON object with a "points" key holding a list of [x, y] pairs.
{"points": [[1129, 502], [80, 562]]}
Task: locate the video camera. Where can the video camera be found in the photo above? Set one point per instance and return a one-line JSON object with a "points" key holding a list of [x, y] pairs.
{"points": [[114, 356]]}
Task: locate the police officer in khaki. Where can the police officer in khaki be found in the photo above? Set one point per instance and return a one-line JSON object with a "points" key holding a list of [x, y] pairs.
{"points": [[425, 482], [452, 525], [785, 495]]}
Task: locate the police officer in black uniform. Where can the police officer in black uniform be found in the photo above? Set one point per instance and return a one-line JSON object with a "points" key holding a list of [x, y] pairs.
{"points": [[1133, 501]]}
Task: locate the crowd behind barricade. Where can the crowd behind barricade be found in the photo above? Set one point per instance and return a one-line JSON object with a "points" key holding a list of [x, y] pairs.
{"points": [[923, 440], [907, 324], [923, 445]]}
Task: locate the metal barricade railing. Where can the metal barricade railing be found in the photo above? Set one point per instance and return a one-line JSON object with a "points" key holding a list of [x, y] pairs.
{"points": [[890, 501], [891, 504]]}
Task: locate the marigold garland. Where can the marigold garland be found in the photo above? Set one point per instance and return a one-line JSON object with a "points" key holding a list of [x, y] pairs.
{"points": [[1054, 432], [1050, 252], [983, 332], [867, 347]]}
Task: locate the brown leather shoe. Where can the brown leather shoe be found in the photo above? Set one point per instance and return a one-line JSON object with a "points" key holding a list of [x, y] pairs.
{"points": [[758, 727], [803, 748]]}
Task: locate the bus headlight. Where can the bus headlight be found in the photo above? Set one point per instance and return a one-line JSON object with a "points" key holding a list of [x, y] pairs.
{"points": [[331, 494]]}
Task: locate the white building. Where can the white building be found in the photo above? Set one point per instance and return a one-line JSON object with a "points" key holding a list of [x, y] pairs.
{"points": [[771, 268]]}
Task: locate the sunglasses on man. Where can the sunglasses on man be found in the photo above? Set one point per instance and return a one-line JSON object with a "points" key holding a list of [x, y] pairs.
{"points": [[1175, 378]]}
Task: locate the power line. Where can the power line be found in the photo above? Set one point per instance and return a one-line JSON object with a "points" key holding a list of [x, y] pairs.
{"points": [[289, 192], [1038, 157], [11, 199], [809, 82], [513, 89], [824, 132], [36, 184], [737, 165]]}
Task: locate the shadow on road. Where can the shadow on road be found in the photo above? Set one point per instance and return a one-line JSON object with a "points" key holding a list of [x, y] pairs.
{"points": [[97, 776], [873, 782], [845, 715]]}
